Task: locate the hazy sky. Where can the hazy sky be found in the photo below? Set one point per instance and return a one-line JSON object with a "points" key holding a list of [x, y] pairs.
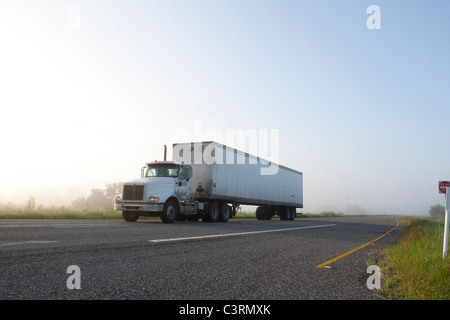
{"points": [[91, 90]]}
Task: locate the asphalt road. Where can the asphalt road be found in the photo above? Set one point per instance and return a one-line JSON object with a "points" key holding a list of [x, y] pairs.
{"points": [[239, 260]]}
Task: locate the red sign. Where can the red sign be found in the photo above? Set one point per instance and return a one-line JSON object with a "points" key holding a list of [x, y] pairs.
{"points": [[443, 185]]}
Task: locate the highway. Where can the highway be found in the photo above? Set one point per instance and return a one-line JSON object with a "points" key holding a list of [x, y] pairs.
{"points": [[239, 260]]}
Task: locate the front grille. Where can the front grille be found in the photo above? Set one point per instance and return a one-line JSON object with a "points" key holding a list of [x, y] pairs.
{"points": [[133, 192]]}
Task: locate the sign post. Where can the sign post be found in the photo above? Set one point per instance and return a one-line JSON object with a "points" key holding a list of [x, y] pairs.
{"points": [[447, 208], [444, 187]]}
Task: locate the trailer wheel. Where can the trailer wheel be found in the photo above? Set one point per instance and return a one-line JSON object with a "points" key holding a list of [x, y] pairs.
{"points": [[130, 216], [267, 213], [224, 212], [259, 212], [285, 213], [170, 212], [293, 213], [212, 214]]}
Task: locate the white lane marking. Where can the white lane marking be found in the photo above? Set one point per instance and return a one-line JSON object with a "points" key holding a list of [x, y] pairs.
{"points": [[85, 226], [239, 233], [26, 242]]}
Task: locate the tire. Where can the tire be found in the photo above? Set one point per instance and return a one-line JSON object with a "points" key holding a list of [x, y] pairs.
{"points": [[130, 216], [224, 212], [259, 212], [285, 213], [293, 213], [170, 212], [212, 215], [267, 213]]}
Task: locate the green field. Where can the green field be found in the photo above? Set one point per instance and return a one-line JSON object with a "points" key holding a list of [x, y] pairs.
{"points": [[413, 268], [60, 214]]}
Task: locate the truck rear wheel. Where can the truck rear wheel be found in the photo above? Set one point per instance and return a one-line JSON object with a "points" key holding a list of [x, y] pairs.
{"points": [[170, 212], [224, 212], [130, 216], [212, 214]]}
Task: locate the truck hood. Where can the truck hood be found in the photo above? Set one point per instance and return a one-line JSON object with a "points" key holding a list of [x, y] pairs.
{"points": [[155, 184]]}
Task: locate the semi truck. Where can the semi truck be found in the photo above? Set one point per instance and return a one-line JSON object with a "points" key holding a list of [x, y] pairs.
{"points": [[210, 181]]}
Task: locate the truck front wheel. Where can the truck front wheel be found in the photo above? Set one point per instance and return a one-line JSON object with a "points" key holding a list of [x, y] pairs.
{"points": [[170, 212]]}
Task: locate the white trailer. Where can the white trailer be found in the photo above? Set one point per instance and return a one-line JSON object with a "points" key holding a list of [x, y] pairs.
{"points": [[210, 181]]}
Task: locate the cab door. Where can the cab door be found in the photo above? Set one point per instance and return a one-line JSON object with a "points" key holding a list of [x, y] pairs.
{"points": [[183, 187]]}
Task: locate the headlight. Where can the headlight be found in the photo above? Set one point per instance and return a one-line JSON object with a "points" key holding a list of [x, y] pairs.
{"points": [[153, 199], [118, 197]]}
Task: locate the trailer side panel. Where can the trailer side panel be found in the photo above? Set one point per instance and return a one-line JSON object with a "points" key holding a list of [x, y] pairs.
{"points": [[227, 174]]}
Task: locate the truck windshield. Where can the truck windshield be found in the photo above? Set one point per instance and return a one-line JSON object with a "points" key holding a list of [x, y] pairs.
{"points": [[162, 170]]}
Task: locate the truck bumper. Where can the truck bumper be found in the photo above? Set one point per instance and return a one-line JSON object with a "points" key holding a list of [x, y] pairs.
{"points": [[138, 206]]}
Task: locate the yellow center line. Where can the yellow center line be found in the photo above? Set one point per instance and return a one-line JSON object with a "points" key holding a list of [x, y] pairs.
{"points": [[356, 249]]}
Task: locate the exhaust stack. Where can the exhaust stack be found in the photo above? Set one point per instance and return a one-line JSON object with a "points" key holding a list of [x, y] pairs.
{"points": [[165, 152]]}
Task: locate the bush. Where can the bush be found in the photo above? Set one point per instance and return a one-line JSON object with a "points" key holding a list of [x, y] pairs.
{"points": [[437, 211]]}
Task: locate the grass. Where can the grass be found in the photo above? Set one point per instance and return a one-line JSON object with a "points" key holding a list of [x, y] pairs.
{"points": [[413, 268], [60, 214]]}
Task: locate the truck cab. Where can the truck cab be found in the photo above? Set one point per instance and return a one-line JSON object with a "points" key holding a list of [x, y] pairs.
{"points": [[163, 186]]}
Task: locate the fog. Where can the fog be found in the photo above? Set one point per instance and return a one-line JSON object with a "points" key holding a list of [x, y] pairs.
{"points": [[91, 91]]}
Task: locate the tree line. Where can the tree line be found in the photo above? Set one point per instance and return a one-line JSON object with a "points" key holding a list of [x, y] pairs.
{"points": [[99, 199], [437, 211]]}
